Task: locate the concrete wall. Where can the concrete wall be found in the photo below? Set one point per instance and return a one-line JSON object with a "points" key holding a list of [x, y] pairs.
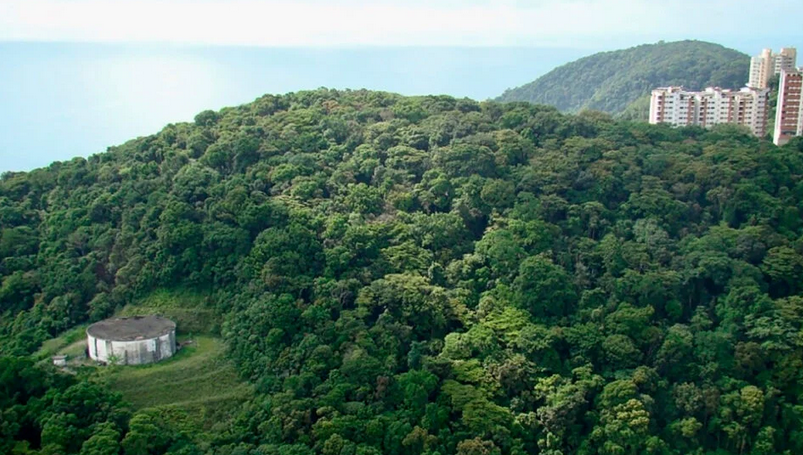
{"points": [[135, 352]]}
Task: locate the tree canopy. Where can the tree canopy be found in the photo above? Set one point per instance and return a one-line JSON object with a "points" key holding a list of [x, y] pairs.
{"points": [[424, 275]]}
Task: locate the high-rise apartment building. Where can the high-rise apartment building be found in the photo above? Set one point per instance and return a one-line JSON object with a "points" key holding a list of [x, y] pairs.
{"points": [[762, 67], [786, 60], [789, 111], [714, 106], [767, 64]]}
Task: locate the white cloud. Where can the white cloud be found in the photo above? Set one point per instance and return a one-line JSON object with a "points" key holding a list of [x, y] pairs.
{"points": [[356, 22]]}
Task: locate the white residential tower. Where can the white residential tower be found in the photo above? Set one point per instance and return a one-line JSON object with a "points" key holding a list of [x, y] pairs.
{"points": [[714, 106], [767, 64]]}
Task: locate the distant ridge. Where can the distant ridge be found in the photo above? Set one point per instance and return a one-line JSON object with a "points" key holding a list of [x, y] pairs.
{"points": [[611, 81]]}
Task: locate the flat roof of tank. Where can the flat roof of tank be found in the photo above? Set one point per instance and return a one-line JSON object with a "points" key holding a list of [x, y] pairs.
{"points": [[131, 328]]}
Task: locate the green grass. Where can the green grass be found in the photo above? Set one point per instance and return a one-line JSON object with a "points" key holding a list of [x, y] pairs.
{"points": [[197, 385], [186, 307], [198, 382], [173, 298], [77, 349], [71, 342]]}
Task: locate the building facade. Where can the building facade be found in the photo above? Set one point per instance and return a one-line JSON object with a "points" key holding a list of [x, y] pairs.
{"points": [[713, 106], [761, 68], [131, 341], [767, 64], [786, 60], [789, 111]]}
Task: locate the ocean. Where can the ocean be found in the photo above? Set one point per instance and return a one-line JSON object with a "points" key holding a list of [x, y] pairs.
{"points": [[59, 100]]}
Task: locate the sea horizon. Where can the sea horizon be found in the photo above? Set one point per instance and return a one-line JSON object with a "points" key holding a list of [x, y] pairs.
{"points": [[60, 100]]}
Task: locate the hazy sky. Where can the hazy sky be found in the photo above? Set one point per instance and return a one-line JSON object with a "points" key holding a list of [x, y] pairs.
{"points": [[575, 23], [149, 62]]}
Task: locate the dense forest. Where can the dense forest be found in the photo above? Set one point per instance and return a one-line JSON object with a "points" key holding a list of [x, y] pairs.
{"points": [[612, 81], [423, 275]]}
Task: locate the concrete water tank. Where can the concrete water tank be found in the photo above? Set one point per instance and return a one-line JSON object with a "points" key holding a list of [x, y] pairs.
{"points": [[134, 340]]}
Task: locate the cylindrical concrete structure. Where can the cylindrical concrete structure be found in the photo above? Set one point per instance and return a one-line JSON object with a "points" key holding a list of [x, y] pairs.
{"points": [[132, 341]]}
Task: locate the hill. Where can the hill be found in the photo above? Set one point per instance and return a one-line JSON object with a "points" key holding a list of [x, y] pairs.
{"points": [[610, 81], [411, 276]]}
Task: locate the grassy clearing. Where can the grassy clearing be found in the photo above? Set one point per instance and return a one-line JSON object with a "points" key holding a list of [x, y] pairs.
{"points": [[75, 350], [197, 385], [186, 307], [198, 381], [71, 342]]}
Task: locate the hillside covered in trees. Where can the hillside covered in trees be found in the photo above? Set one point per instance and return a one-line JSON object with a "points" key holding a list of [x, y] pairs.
{"points": [[423, 275], [611, 81]]}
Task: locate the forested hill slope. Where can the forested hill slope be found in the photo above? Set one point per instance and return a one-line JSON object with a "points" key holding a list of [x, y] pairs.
{"points": [[610, 81], [424, 275]]}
